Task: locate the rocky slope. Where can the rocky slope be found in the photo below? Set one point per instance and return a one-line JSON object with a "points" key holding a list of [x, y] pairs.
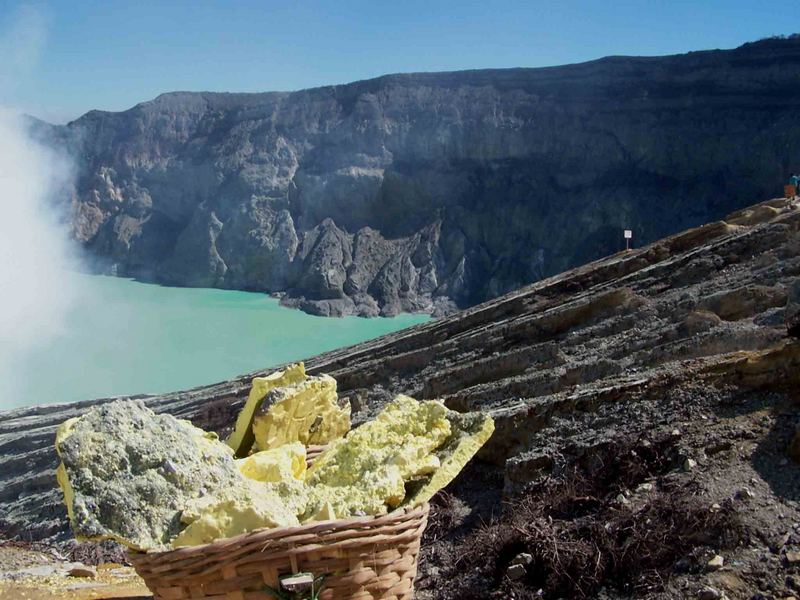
{"points": [[422, 192], [684, 340]]}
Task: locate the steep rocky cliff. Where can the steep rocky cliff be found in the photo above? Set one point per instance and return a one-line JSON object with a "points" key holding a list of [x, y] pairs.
{"points": [[422, 192]]}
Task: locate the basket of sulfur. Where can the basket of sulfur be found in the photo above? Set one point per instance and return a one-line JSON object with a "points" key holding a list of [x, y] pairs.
{"points": [[293, 505]]}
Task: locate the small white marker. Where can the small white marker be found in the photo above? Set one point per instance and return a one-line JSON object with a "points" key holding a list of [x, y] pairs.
{"points": [[628, 238]]}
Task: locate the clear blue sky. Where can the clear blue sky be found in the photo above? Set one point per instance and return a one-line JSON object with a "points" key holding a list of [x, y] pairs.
{"points": [[70, 56]]}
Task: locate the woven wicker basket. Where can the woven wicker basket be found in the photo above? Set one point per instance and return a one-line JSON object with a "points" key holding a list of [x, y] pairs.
{"points": [[363, 558]]}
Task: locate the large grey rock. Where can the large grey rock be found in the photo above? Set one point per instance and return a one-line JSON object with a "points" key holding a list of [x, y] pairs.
{"points": [[132, 472], [428, 191]]}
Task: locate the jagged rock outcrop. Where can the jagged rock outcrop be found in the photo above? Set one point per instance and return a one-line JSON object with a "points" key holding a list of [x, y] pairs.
{"points": [[423, 192], [560, 365]]}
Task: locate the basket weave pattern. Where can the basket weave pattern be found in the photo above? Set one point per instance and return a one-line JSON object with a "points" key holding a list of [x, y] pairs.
{"points": [[363, 558]]}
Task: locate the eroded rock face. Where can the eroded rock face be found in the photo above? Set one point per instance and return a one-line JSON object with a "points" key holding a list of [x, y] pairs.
{"points": [[424, 192], [128, 473], [793, 310]]}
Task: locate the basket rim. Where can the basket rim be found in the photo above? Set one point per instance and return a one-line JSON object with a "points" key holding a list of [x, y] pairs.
{"points": [[406, 513]]}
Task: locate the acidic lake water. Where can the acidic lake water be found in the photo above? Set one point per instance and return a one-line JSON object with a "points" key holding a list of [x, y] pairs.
{"points": [[127, 337]]}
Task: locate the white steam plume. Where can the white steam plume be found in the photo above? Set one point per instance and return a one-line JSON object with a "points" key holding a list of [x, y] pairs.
{"points": [[36, 285]]}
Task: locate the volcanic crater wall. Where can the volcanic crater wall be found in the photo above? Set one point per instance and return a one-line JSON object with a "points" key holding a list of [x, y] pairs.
{"points": [[427, 192]]}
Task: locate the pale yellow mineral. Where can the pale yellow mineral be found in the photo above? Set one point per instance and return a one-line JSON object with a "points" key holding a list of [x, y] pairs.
{"points": [[272, 466], [372, 494], [239, 509], [241, 440], [307, 412], [365, 473], [470, 431], [62, 433], [282, 470]]}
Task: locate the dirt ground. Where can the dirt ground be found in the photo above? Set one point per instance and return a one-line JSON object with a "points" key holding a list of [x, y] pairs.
{"points": [[727, 451], [31, 574]]}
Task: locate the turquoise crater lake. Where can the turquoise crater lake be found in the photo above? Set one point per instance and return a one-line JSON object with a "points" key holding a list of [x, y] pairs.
{"points": [[126, 337]]}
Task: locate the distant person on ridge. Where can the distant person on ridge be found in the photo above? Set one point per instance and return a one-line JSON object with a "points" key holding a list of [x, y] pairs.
{"points": [[795, 181]]}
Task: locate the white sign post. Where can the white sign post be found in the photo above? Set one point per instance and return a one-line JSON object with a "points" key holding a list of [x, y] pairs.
{"points": [[628, 238]]}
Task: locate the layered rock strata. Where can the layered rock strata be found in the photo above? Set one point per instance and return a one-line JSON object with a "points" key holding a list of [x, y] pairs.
{"points": [[559, 365]]}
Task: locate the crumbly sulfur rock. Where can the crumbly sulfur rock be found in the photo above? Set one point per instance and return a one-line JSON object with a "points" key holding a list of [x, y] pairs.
{"points": [[151, 481], [282, 471], [128, 473], [246, 507], [365, 472], [241, 440], [280, 464], [306, 412], [469, 431]]}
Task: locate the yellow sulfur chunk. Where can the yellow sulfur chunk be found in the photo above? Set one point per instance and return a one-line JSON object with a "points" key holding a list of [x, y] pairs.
{"points": [[238, 510], [470, 431], [282, 470], [365, 472], [324, 513], [374, 492], [62, 433], [280, 464], [306, 412], [241, 440], [293, 493]]}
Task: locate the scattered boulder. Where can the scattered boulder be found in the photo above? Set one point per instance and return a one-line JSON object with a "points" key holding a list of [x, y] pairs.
{"points": [[516, 571], [793, 581], [523, 558], [88, 572], [699, 321], [792, 557], [709, 593], [716, 563]]}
